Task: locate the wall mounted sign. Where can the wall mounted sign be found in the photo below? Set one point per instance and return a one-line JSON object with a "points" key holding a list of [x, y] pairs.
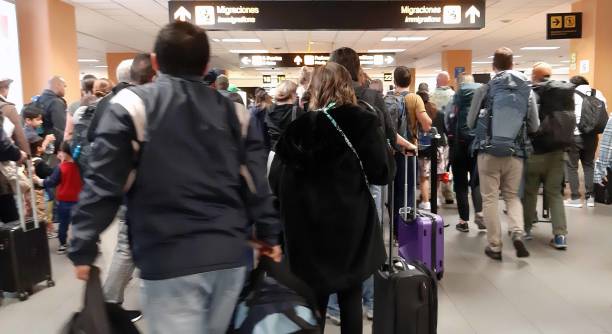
{"points": [[301, 59], [280, 77], [459, 70], [331, 15], [267, 79], [564, 25]]}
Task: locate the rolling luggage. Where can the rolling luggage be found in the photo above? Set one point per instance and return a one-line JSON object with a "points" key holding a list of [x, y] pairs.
{"points": [[420, 235], [405, 295], [24, 250], [603, 193]]}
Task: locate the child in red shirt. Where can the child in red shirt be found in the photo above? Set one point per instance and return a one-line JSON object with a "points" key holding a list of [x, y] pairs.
{"points": [[67, 181]]}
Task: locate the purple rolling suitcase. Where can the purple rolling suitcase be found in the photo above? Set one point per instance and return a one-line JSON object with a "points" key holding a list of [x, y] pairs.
{"points": [[420, 235]]}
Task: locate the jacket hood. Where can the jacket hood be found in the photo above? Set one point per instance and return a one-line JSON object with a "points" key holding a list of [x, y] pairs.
{"points": [[312, 139]]}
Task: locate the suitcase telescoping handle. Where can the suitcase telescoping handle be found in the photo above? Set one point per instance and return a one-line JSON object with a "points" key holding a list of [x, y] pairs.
{"points": [[410, 212], [19, 199]]}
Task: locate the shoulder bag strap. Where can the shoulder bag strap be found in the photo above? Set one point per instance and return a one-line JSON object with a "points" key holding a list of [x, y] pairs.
{"points": [[346, 140]]}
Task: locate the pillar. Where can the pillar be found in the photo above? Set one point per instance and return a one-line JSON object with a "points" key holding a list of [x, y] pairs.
{"points": [[453, 60], [413, 83], [47, 46], [594, 46], [113, 59]]}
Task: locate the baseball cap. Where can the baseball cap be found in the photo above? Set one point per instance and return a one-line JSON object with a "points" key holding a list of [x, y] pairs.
{"points": [[210, 77]]}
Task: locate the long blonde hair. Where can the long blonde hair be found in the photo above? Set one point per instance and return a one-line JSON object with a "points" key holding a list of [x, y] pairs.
{"points": [[331, 83]]}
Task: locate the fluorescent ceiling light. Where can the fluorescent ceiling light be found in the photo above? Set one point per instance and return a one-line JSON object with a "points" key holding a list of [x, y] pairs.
{"points": [[268, 69], [88, 60], [517, 56], [101, 66], [541, 48], [481, 62], [366, 68], [386, 50], [216, 40], [249, 51], [241, 40], [405, 39], [565, 61]]}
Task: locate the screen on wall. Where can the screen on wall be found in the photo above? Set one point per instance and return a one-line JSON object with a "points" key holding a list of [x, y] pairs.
{"points": [[9, 51]]}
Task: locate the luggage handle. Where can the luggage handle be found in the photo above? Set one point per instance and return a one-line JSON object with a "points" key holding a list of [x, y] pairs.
{"points": [[19, 196]]}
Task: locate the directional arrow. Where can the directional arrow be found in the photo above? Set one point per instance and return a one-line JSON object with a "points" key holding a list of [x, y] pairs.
{"points": [[557, 22], [389, 60], [182, 14], [246, 60], [298, 60], [472, 13]]}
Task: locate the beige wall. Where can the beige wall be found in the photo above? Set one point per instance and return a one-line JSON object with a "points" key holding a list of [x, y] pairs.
{"points": [[595, 44], [113, 60], [47, 45]]}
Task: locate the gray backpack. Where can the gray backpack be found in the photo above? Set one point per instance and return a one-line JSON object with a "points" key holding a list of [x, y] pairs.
{"points": [[501, 125]]}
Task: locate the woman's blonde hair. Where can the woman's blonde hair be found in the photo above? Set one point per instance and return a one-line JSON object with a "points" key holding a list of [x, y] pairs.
{"points": [[331, 83], [285, 91]]}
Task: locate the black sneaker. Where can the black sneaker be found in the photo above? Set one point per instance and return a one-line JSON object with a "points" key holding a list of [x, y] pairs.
{"points": [[133, 315], [497, 256], [463, 227], [449, 201], [519, 245]]}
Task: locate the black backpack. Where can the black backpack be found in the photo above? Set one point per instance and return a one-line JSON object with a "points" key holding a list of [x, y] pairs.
{"points": [[81, 146], [594, 116], [557, 116]]}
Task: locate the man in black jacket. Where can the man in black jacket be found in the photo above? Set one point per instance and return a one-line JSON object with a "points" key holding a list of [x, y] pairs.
{"points": [[54, 108], [193, 182]]}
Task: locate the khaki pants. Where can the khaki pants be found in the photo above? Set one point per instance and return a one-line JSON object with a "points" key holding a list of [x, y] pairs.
{"points": [[503, 174]]}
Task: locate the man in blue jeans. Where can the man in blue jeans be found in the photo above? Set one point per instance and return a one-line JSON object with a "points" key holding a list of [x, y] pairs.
{"points": [[194, 181]]}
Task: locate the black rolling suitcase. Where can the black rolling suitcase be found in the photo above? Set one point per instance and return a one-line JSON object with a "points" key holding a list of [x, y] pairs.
{"points": [[24, 251], [603, 193], [405, 295]]}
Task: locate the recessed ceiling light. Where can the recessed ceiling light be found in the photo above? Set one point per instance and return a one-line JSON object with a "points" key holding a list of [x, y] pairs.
{"points": [[249, 51], [404, 39], [540, 48], [386, 50], [241, 40], [88, 60]]}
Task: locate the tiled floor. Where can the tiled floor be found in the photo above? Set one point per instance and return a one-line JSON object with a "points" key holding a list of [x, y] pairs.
{"points": [[551, 292]]}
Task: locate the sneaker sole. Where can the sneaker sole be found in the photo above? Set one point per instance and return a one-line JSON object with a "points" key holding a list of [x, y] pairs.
{"points": [[521, 250], [558, 247], [463, 230], [577, 206], [494, 256], [137, 318]]}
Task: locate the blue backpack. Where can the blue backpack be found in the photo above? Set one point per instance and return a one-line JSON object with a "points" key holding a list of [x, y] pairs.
{"points": [[275, 301], [501, 126]]}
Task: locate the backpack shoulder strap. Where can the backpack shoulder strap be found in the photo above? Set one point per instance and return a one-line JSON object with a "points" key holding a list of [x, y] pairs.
{"points": [[583, 95]]}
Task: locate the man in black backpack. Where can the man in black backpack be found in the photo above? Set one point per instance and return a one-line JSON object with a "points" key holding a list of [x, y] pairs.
{"points": [[545, 165], [585, 141]]}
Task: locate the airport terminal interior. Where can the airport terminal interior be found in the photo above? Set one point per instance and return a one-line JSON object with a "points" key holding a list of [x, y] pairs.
{"points": [[257, 45]]}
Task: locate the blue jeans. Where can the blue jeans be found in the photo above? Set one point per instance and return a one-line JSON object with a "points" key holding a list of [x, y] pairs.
{"points": [[196, 304], [64, 216]]}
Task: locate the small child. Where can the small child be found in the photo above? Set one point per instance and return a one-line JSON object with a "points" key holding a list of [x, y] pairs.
{"points": [[33, 120], [67, 181], [43, 171]]}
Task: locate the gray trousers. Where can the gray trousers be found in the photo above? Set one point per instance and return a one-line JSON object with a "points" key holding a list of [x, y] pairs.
{"points": [[122, 266], [195, 304], [583, 150]]}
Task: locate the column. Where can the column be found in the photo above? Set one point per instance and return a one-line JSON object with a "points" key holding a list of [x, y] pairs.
{"points": [[113, 59], [594, 46], [413, 84], [47, 46], [455, 62]]}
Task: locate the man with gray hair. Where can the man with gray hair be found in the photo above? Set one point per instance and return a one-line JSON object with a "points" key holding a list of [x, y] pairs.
{"points": [[222, 84]]}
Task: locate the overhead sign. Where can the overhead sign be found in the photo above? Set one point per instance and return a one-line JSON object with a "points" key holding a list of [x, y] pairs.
{"points": [[331, 15], [267, 79], [310, 59], [388, 77], [564, 25], [280, 77]]}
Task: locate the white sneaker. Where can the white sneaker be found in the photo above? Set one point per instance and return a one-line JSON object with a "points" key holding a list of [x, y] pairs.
{"points": [[573, 203], [425, 206], [590, 202]]}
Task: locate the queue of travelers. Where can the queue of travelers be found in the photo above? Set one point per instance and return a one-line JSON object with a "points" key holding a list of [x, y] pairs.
{"points": [[295, 173]]}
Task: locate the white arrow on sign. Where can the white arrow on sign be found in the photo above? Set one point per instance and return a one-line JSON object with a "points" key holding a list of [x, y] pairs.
{"points": [[297, 60], [182, 14], [389, 60], [472, 13], [246, 60]]}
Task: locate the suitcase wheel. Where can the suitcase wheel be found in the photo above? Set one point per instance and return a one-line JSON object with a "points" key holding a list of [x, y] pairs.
{"points": [[50, 283], [23, 296], [439, 276]]}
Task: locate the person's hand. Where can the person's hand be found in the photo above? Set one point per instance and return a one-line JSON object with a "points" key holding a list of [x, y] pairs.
{"points": [[23, 158], [275, 253], [82, 272]]}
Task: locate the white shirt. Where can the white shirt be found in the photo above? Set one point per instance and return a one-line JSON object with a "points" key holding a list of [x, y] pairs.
{"points": [[585, 89]]}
